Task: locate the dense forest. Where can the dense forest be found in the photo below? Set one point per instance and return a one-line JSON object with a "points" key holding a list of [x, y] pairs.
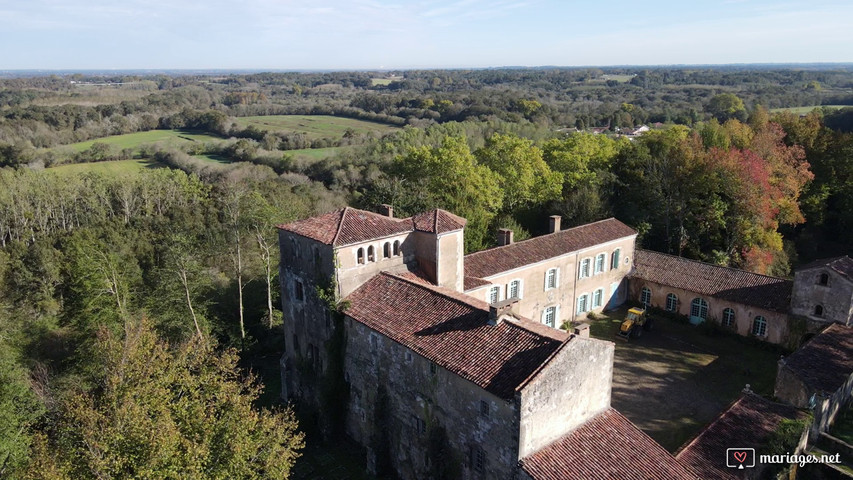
{"points": [[139, 311]]}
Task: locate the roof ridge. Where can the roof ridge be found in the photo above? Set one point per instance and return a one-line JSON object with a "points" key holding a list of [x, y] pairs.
{"points": [[548, 235], [340, 225], [712, 264]]}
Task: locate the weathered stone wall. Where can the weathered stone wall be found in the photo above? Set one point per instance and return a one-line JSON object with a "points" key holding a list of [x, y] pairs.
{"points": [[836, 297], [827, 409], [571, 389], [777, 323], [535, 298], [306, 322], [418, 395], [789, 388], [451, 258]]}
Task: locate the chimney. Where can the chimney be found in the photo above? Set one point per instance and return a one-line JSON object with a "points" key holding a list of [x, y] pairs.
{"points": [[555, 224], [499, 311], [386, 210], [582, 330], [504, 237]]}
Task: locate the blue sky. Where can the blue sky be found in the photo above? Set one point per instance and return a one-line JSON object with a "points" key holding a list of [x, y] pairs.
{"points": [[398, 34]]}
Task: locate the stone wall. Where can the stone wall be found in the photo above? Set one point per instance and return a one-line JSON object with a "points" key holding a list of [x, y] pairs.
{"points": [[351, 274], [420, 398], [789, 388], [571, 389], [836, 297]]}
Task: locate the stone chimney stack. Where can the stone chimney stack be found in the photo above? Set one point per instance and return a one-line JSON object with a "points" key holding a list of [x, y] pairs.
{"points": [[555, 223], [499, 311], [505, 237], [386, 210]]}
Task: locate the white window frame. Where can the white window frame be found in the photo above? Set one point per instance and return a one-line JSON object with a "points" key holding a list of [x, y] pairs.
{"points": [[614, 258], [701, 308], [603, 258], [555, 309], [489, 294], [588, 273], [583, 303], [556, 277], [762, 328], [519, 294], [643, 295], [598, 303], [726, 322], [674, 308]]}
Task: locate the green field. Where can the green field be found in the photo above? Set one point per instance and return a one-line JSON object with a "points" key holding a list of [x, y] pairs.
{"points": [[107, 168], [381, 81], [804, 110], [314, 126], [135, 140], [217, 159], [315, 153], [618, 78]]}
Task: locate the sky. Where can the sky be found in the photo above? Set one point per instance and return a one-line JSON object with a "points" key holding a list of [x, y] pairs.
{"points": [[400, 34]]}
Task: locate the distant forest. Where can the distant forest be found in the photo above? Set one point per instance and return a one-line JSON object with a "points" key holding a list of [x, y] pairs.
{"points": [[175, 248]]}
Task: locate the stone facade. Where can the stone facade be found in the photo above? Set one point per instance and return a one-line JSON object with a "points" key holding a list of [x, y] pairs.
{"points": [[823, 294]]}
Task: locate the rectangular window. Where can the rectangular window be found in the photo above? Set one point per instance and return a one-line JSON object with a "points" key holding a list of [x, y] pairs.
{"points": [[433, 368], [479, 459], [299, 291], [599, 263], [583, 303], [494, 294], [597, 297], [614, 260], [418, 425], [514, 289], [584, 270], [484, 409], [550, 317], [551, 279]]}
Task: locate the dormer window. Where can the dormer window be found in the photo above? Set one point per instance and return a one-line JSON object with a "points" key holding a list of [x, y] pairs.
{"points": [[359, 256], [823, 279], [371, 254]]}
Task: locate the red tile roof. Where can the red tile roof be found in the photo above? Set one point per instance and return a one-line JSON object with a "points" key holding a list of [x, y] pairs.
{"points": [[842, 265], [748, 423], [437, 221], [474, 282], [493, 261], [607, 447], [739, 286], [825, 362], [347, 226], [451, 329]]}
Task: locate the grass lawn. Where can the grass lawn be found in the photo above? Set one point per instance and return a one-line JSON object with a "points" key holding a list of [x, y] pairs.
{"points": [[107, 168], [618, 78], [135, 140], [213, 158], [314, 126], [676, 378], [381, 81], [315, 153], [805, 110]]}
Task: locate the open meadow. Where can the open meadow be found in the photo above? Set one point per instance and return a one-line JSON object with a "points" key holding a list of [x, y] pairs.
{"points": [[174, 138], [314, 126]]}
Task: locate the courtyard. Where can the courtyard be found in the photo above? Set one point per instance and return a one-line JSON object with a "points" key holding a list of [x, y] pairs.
{"points": [[675, 378]]}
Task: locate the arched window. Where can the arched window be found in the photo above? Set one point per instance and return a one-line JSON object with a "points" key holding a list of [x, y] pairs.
{"points": [[699, 308], [371, 254], [824, 279], [759, 326], [646, 296], [599, 262], [396, 247], [671, 302], [495, 294], [386, 250], [359, 256], [818, 310], [728, 317]]}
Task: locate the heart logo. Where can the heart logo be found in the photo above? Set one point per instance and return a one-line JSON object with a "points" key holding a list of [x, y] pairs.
{"points": [[740, 456]]}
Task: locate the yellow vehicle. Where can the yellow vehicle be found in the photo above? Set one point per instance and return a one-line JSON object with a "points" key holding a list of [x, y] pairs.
{"points": [[635, 322]]}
